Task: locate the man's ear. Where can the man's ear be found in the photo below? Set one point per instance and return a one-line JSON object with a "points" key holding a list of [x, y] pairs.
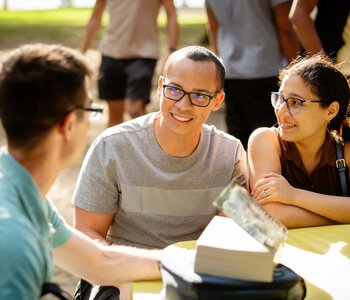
{"points": [[67, 124], [160, 85], [218, 100], [333, 110]]}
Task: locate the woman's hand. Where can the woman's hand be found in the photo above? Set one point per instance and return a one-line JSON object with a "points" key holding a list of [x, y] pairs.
{"points": [[273, 187]]}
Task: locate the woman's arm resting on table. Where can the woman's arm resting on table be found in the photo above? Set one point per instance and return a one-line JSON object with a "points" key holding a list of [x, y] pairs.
{"points": [[273, 187], [295, 217], [300, 207]]}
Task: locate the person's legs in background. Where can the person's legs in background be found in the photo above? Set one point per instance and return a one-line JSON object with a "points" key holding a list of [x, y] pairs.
{"points": [[248, 106], [129, 80], [115, 112], [111, 87], [235, 114], [139, 83]]}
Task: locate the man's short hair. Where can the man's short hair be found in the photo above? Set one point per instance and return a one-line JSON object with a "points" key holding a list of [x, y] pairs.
{"points": [[198, 53], [39, 85]]}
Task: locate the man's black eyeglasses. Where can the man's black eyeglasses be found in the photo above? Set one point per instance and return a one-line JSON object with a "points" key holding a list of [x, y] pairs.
{"points": [[176, 94]]}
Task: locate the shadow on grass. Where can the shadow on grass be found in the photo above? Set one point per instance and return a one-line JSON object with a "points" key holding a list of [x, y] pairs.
{"points": [[15, 35]]}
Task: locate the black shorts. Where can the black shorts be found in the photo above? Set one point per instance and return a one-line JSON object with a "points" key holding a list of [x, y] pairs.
{"points": [[126, 78]]}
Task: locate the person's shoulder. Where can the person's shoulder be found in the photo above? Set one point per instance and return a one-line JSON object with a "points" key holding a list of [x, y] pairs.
{"points": [[264, 132], [217, 136], [121, 133], [137, 125], [263, 135], [215, 132]]}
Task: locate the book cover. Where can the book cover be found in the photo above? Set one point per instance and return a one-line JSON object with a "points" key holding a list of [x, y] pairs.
{"points": [[236, 203], [244, 245]]}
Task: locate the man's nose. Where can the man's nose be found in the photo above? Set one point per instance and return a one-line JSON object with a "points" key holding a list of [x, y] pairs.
{"points": [[185, 101]]}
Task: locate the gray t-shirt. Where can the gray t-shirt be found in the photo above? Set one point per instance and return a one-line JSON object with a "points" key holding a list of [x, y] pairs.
{"points": [[157, 199], [247, 39]]}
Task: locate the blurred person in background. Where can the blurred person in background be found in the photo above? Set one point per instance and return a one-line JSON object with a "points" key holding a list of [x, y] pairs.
{"points": [[130, 50], [253, 38], [343, 55], [323, 33]]}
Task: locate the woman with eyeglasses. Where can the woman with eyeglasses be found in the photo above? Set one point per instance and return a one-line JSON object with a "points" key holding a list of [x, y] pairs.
{"points": [[293, 171]]}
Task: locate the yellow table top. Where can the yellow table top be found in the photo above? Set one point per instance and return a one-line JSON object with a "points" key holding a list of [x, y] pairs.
{"points": [[321, 255]]}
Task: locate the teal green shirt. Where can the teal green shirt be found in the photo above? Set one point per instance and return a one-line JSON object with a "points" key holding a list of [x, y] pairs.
{"points": [[29, 228]]}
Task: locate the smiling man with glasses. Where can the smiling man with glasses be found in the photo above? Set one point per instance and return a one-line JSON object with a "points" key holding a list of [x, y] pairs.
{"points": [[151, 181]]}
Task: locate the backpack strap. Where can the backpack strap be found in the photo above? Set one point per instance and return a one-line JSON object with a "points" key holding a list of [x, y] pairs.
{"points": [[341, 166]]}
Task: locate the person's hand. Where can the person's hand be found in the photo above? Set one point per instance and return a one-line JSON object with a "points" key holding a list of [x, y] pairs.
{"points": [[125, 291], [273, 187]]}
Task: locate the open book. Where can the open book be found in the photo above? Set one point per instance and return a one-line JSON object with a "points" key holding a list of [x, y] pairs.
{"points": [[246, 245]]}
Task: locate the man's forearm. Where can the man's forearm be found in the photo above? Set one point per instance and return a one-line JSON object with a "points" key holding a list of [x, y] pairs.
{"points": [[139, 264], [106, 265], [295, 217]]}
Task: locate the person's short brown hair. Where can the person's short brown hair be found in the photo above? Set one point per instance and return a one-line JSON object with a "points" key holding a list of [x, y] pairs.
{"points": [[39, 85]]}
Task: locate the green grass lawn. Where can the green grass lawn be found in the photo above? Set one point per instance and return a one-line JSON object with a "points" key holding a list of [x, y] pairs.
{"points": [[57, 17], [66, 26]]}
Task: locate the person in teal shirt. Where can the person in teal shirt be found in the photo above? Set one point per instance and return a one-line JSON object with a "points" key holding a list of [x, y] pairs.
{"points": [[45, 111], [29, 228]]}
